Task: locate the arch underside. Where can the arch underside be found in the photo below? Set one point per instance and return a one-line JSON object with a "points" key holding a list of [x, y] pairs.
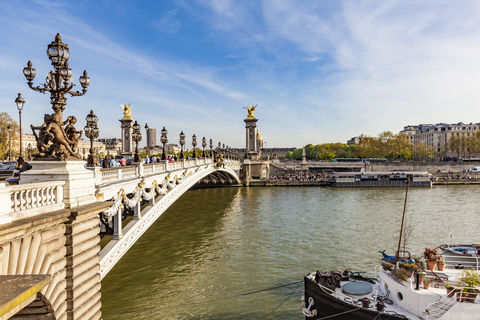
{"points": [[219, 178]]}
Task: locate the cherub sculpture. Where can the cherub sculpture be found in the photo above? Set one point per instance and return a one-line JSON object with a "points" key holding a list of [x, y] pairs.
{"points": [[71, 133], [250, 111], [52, 140], [127, 110], [42, 139]]}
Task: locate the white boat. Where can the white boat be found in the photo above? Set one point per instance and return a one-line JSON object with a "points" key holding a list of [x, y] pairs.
{"points": [[462, 256]]}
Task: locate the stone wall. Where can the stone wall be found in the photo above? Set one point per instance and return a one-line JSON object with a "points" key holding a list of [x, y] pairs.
{"points": [[64, 244]]}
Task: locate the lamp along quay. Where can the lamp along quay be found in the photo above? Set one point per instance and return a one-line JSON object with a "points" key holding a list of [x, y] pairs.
{"points": [[56, 144], [20, 102]]}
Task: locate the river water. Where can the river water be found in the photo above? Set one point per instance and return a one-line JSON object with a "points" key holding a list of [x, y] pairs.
{"points": [[239, 253]]}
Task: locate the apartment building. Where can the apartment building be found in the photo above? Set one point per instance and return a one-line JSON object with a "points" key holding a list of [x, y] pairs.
{"points": [[437, 135]]}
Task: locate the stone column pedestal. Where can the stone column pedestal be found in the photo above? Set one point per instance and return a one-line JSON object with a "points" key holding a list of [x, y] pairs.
{"points": [[126, 134], [251, 135], [79, 188]]}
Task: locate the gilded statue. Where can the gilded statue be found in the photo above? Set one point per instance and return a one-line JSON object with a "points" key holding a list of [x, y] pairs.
{"points": [[127, 110], [250, 111]]}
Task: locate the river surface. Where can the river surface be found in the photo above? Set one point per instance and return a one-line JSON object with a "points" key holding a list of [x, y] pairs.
{"points": [[214, 253]]}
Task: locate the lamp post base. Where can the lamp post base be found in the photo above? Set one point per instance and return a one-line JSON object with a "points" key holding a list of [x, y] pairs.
{"points": [[93, 161]]}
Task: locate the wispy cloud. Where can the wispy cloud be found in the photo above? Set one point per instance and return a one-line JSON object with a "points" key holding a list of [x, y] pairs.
{"points": [[327, 70], [168, 24]]}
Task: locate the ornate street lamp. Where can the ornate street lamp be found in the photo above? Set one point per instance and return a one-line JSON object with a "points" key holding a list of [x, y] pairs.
{"points": [[19, 101], [211, 148], [9, 129], [164, 141], [182, 142], [147, 137], [59, 82], [137, 137], [194, 143], [91, 132], [204, 144]]}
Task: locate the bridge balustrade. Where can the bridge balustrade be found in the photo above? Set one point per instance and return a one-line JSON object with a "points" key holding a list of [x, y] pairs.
{"points": [[103, 175], [25, 200]]}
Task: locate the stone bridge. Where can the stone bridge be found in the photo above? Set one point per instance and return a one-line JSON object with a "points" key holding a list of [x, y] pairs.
{"points": [[51, 262], [160, 185]]}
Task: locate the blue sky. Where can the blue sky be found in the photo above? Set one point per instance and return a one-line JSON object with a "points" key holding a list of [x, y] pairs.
{"points": [[320, 71]]}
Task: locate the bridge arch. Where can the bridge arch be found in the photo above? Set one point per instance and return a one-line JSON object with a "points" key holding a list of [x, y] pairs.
{"points": [[115, 250]]}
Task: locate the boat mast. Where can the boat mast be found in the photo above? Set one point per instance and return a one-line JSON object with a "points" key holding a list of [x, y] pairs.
{"points": [[403, 221]]}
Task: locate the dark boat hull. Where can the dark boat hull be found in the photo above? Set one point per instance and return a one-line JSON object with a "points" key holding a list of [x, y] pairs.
{"points": [[327, 305]]}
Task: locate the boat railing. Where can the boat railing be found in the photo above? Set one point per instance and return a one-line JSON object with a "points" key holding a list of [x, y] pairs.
{"points": [[436, 310], [467, 241], [377, 271], [459, 261]]}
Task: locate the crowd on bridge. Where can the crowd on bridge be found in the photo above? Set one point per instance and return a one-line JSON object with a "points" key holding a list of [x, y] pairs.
{"points": [[301, 176]]}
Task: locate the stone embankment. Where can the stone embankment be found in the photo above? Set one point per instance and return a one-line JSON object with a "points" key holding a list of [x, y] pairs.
{"points": [[269, 183]]}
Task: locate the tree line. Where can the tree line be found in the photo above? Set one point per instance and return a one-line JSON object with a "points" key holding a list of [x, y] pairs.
{"points": [[390, 146]]}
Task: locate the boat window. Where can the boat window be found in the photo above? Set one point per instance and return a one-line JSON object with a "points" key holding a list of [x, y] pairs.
{"points": [[386, 286], [400, 296]]}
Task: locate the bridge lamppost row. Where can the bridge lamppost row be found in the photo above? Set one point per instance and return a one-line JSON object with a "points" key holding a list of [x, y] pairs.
{"points": [[194, 143], [19, 101], [164, 141], [182, 142], [204, 144], [91, 131], [137, 137]]}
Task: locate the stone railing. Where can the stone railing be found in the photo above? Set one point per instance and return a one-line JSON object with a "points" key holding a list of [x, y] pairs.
{"points": [[26, 200], [139, 170]]}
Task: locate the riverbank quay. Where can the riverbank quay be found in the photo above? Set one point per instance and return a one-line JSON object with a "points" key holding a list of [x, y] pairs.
{"points": [[453, 182], [278, 167], [273, 183]]}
